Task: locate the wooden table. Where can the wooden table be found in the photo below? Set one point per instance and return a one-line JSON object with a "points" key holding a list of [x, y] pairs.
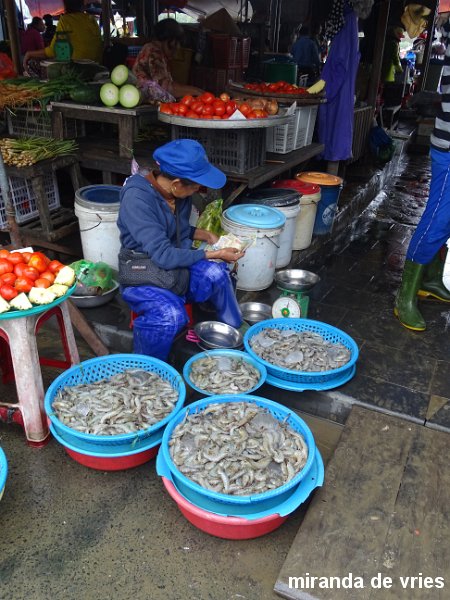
{"points": [[49, 227], [124, 118], [102, 156]]}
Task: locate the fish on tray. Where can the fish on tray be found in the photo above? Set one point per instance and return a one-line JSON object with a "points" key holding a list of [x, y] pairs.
{"points": [[129, 401], [237, 448]]}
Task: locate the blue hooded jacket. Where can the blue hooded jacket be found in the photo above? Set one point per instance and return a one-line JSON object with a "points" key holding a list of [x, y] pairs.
{"points": [[147, 224]]}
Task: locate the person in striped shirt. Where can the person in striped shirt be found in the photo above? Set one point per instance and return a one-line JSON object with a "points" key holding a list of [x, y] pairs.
{"points": [[422, 273]]}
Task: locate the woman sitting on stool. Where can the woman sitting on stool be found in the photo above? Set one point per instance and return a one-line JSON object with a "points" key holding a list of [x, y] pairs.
{"points": [[159, 271]]}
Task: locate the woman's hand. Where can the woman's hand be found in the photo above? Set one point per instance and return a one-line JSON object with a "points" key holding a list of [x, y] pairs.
{"points": [[229, 255]]}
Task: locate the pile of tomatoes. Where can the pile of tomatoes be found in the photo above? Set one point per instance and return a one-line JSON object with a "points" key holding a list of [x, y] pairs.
{"points": [[20, 271], [280, 87], [208, 106]]}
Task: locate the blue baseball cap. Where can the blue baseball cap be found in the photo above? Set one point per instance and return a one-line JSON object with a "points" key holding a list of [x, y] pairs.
{"points": [[187, 159]]}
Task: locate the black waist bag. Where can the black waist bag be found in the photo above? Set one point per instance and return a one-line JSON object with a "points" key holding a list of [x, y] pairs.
{"points": [[136, 268]]}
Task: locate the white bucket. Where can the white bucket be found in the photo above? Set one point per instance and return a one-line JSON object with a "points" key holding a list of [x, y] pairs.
{"points": [[97, 209], [256, 269], [287, 235], [446, 274], [305, 221]]}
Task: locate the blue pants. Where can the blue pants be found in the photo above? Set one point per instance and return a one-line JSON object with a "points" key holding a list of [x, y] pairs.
{"points": [[433, 229], [161, 313]]}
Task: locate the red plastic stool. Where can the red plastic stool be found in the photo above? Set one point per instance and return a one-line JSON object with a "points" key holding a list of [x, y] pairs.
{"points": [[18, 346]]}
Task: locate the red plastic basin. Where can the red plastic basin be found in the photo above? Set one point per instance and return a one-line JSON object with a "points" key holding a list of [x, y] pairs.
{"points": [[229, 528], [117, 463]]}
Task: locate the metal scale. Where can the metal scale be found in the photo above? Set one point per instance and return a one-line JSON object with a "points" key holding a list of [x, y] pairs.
{"points": [[294, 300]]}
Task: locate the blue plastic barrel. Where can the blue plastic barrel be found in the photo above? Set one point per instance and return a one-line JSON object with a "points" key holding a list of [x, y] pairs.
{"points": [[330, 189]]}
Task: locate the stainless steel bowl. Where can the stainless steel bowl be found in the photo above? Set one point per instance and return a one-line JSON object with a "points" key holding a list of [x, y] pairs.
{"points": [[254, 312], [296, 280], [98, 300], [214, 334]]}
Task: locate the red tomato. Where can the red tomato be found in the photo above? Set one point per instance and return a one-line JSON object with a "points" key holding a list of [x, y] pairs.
{"points": [[191, 114], [224, 97], [166, 109], [19, 268], [207, 98], [7, 292], [26, 256], [16, 257], [30, 273], [22, 284], [8, 278], [42, 283], [219, 107], [230, 107], [187, 100], [39, 261], [244, 108], [182, 109], [48, 275], [217, 118], [197, 107], [208, 110], [4, 253], [6, 266], [54, 266]]}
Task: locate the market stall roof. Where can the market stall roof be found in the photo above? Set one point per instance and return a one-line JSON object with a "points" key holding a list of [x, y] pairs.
{"points": [[37, 8], [444, 6]]}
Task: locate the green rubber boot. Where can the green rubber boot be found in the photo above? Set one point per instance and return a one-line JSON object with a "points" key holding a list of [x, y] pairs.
{"points": [[432, 285], [406, 301]]}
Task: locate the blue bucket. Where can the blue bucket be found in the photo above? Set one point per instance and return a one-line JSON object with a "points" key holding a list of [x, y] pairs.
{"points": [[330, 189]]}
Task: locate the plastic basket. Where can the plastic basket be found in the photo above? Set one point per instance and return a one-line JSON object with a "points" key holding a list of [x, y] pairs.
{"points": [[295, 134], [214, 80], [234, 354], [102, 368], [328, 332], [270, 498], [28, 122], [134, 50], [3, 472], [232, 150], [24, 198]]}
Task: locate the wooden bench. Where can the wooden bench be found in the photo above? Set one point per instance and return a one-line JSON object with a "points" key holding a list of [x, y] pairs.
{"points": [[383, 512]]}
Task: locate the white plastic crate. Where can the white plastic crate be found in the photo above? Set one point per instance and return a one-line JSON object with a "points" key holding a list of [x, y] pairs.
{"points": [[24, 199], [29, 122], [295, 134]]}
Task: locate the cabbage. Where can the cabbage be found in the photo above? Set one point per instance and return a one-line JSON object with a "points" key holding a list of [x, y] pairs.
{"points": [[109, 94], [129, 96], [119, 75]]}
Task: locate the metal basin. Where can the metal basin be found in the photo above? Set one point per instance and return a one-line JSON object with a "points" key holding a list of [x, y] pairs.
{"points": [[296, 280], [254, 312], [214, 334], [98, 300]]}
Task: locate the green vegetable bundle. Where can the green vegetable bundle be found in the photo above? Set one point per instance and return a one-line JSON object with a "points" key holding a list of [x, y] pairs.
{"points": [[23, 152], [211, 219]]}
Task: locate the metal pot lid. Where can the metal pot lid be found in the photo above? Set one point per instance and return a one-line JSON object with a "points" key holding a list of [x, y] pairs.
{"points": [[303, 188], [319, 178], [276, 197], [256, 215]]}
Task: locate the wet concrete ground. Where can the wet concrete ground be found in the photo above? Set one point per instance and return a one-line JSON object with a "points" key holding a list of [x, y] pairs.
{"points": [[71, 532]]}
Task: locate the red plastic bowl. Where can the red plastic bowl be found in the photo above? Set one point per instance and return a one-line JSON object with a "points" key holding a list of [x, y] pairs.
{"points": [[118, 463], [229, 528]]}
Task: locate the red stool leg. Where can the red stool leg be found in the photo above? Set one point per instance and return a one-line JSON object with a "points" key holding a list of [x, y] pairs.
{"points": [[67, 337], [5, 360]]}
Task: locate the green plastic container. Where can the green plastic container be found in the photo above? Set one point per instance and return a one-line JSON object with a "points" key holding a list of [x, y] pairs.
{"points": [[280, 71]]}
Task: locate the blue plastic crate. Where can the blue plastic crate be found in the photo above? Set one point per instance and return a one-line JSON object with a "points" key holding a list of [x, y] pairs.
{"points": [[103, 368], [328, 332]]}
